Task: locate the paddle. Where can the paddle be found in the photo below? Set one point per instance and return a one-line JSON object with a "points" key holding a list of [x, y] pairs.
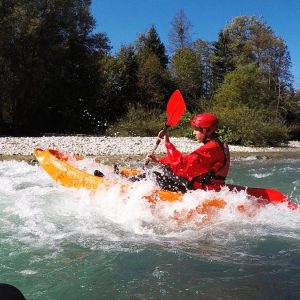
{"points": [[174, 111]]}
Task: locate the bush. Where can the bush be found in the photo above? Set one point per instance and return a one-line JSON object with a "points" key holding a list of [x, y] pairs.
{"points": [[184, 129], [240, 125], [138, 122], [247, 126], [226, 135]]}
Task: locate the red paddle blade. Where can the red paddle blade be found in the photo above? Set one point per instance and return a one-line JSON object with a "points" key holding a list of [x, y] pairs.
{"points": [[175, 109]]}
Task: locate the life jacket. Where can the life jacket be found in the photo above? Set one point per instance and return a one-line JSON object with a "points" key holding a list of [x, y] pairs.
{"points": [[216, 176], [205, 168]]}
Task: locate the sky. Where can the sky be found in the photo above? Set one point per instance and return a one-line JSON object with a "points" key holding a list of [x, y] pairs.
{"points": [[124, 20]]}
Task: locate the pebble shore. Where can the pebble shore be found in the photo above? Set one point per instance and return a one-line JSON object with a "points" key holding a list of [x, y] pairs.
{"points": [[109, 146]]}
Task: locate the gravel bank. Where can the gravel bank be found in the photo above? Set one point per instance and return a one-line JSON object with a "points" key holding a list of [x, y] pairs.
{"points": [[120, 146]]}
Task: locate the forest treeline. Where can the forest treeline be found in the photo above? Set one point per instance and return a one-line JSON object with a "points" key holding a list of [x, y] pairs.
{"points": [[57, 75]]}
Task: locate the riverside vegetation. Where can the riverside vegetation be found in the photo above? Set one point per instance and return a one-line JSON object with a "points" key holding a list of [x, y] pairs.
{"points": [[59, 76]]}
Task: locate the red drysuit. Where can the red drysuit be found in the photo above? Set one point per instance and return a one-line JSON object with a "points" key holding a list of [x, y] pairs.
{"points": [[212, 155]]}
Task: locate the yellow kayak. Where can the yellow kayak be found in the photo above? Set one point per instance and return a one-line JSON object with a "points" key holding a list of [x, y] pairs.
{"points": [[59, 166]]}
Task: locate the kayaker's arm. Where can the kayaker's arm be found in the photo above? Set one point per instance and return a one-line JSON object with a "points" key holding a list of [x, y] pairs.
{"points": [[162, 135], [173, 156]]}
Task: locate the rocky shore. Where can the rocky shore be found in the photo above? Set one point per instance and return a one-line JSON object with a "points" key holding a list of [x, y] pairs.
{"points": [[21, 148]]}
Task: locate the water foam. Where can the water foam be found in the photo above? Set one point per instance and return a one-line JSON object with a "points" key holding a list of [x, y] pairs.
{"points": [[38, 212]]}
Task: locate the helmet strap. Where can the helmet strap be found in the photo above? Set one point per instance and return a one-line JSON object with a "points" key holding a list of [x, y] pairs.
{"points": [[205, 131]]}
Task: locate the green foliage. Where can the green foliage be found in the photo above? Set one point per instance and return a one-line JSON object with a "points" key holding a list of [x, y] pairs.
{"points": [[248, 40], [186, 70], [57, 75], [221, 60], [129, 60], [204, 52], [244, 85], [144, 122], [295, 132], [247, 112], [226, 135], [153, 80], [50, 60], [243, 125], [138, 121], [151, 44]]}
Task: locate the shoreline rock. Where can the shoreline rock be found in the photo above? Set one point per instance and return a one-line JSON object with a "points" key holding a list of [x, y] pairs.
{"points": [[126, 148]]}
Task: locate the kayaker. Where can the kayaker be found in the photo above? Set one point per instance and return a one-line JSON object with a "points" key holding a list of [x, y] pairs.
{"points": [[205, 168]]}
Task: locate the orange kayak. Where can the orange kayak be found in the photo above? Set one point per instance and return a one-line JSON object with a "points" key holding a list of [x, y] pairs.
{"points": [[59, 166]]}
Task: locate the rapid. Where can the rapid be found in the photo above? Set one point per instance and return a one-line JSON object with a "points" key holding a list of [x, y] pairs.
{"points": [[59, 243]]}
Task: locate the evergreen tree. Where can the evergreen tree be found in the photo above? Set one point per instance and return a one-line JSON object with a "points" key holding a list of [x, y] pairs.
{"points": [[128, 57], [153, 79], [150, 43], [119, 89], [221, 60], [204, 51]]}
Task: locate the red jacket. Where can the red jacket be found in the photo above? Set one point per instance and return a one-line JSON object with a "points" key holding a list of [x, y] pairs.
{"points": [[210, 156]]}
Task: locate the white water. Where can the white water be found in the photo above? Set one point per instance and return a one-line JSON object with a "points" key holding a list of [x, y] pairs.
{"points": [[38, 212], [59, 243]]}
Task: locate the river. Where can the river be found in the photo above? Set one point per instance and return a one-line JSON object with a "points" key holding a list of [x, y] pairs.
{"points": [[59, 243]]}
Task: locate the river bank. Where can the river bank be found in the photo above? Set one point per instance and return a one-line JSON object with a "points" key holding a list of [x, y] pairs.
{"points": [[126, 148]]}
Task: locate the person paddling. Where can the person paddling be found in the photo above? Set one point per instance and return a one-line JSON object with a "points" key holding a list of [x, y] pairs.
{"points": [[205, 168]]}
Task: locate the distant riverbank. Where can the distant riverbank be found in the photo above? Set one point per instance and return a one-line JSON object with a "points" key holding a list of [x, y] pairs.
{"points": [[125, 148]]}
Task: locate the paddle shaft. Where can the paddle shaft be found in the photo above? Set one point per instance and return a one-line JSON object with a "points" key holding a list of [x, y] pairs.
{"points": [[160, 136]]}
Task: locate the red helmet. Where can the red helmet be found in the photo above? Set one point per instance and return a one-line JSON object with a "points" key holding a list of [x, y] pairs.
{"points": [[206, 121]]}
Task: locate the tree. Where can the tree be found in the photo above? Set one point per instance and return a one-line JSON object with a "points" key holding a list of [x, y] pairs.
{"points": [[50, 57], [246, 107], [221, 60], [245, 85], [150, 43], [248, 40], [153, 79], [204, 51], [180, 36], [294, 116], [186, 70], [252, 41], [153, 82], [118, 91], [129, 59]]}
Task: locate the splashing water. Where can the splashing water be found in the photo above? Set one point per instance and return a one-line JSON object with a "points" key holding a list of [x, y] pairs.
{"points": [[61, 243]]}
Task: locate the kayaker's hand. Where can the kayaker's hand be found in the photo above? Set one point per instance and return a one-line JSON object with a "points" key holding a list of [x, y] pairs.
{"points": [[152, 158], [166, 137]]}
